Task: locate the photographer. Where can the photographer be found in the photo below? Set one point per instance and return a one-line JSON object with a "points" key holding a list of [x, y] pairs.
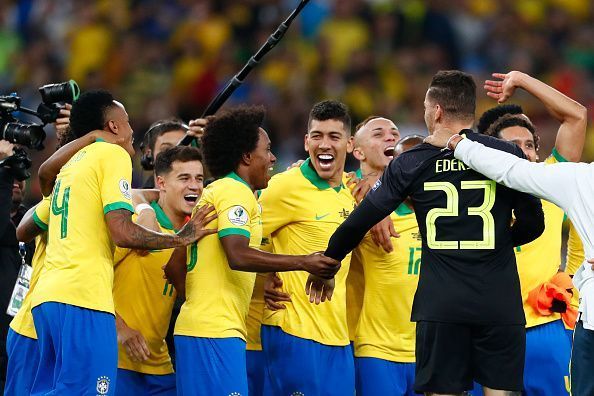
{"points": [[10, 260]]}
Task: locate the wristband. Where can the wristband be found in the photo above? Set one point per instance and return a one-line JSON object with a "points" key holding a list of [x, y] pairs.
{"points": [[140, 207]]}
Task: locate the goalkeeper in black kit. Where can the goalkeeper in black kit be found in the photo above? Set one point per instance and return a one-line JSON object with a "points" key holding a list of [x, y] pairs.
{"points": [[468, 305]]}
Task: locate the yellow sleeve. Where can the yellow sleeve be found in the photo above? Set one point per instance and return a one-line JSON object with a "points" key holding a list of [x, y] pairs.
{"points": [[555, 157], [275, 210], [235, 208], [575, 251], [114, 179], [42, 213]]}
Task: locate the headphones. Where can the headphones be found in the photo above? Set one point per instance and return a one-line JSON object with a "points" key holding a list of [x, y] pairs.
{"points": [[147, 161]]}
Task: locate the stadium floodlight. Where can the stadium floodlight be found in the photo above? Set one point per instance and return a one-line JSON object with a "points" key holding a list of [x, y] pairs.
{"points": [[238, 79]]}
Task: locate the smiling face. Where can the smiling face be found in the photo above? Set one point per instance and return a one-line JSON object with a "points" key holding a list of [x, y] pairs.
{"points": [[375, 141], [181, 187], [523, 138], [327, 143], [261, 161]]}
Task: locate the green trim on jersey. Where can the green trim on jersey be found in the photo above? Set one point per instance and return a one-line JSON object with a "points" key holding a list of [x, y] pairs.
{"points": [[233, 231], [39, 222], [116, 206], [162, 217], [558, 156], [235, 176], [310, 174]]}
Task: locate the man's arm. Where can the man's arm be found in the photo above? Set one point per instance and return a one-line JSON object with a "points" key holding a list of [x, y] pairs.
{"points": [[48, 171], [176, 270], [554, 182], [125, 233], [572, 115], [28, 228], [242, 257], [529, 219]]}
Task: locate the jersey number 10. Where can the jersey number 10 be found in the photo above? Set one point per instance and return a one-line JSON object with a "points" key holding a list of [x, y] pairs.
{"points": [[451, 209], [61, 210]]}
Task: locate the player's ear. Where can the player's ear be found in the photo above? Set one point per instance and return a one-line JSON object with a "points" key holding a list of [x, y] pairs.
{"points": [[358, 154], [160, 182], [112, 126], [306, 142], [350, 144], [438, 113], [246, 158]]}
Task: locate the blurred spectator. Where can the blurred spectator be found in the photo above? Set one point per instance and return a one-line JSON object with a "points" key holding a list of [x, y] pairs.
{"points": [[170, 58]]}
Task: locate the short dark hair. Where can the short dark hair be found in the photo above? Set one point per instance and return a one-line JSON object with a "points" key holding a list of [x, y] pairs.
{"points": [[455, 92], [331, 110], [166, 158], [365, 121], [230, 135], [161, 127], [88, 112], [492, 115], [511, 120]]}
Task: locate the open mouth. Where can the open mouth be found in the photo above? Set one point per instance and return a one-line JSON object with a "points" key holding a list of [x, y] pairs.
{"points": [[389, 152], [326, 161], [191, 198]]}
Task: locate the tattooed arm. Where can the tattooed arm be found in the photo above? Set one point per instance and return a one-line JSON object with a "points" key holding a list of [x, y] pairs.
{"points": [[127, 234]]}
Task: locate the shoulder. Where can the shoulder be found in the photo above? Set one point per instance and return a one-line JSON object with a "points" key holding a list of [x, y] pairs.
{"points": [[230, 190], [495, 143]]}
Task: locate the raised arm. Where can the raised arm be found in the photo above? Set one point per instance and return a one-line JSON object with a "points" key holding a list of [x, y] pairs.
{"points": [[571, 115]]}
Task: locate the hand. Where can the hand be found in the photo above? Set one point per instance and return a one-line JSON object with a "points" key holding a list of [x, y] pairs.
{"points": [[502, 90], [318, 289], [193, 230], [63, 122], [6, 149], [382, 232], [320, 265], [439, 138], [273, 296], [359, 187], [197, 127], [296, 164], [144, 196], [133, 342]]}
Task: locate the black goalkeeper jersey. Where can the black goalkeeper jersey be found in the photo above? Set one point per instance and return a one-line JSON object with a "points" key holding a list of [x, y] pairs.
{"points": [[468, 272]]}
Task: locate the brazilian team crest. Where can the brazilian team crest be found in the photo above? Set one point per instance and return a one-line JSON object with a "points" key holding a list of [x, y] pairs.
{"points": [[102, 385]]}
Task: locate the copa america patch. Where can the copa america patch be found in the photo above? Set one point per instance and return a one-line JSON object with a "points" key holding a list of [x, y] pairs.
{"points": [[238, 216], [125, 188], [376, 185], [102, 385]]}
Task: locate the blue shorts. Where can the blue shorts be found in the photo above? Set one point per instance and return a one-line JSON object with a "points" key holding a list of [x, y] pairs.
{"points": [[299, 365], [78, 351], [383, 377], [210, 366], [23, 359], [546, 369], [134, 383], [256, 372]]}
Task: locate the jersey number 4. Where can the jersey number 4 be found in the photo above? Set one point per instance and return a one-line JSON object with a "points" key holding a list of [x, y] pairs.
{"points": [[451, 209], [61, 210]]}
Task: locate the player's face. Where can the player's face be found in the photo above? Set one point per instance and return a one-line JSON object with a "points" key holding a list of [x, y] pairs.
{"points": [[523, 138], [167, 140], [376, 142], [327, 143], [119, 123], [182, 186], [262, 161]]}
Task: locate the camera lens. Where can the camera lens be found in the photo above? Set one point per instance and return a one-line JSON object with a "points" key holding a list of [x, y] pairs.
{"points": [[28, 135], [62, 92]]}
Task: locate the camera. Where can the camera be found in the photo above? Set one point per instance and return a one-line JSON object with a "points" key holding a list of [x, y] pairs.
{"points": [[32, 135]]}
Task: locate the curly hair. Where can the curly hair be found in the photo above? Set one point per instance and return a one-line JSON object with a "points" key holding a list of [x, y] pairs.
{"points": [[511, 120], [88, 112], [331, 110], [230, 135], [492, 115]]}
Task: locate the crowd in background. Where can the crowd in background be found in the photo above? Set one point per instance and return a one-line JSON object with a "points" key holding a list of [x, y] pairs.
{"points": [[166, 58]]}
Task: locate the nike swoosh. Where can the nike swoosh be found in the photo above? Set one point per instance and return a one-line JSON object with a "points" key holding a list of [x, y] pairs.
{"points": [[322, 216]]}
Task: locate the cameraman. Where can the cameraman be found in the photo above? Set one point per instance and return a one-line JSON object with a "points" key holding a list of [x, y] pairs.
{"points": [[10, 260]]}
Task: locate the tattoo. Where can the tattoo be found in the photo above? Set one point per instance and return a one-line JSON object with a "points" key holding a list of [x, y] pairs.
{"points": [[132, 236]]}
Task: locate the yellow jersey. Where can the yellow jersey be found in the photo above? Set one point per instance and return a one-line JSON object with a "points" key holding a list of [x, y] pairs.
{"points": [[78, 268], [22, 323], [254, 318], [145, 300], [384, 330], [539, 260], [300, 212], [217, 297]]}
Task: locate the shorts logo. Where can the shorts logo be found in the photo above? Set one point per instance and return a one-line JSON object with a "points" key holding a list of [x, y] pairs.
{"points": [[234, 394], [376, 185], [102, 385], [125, 188], [297, 394], [238, 216]]}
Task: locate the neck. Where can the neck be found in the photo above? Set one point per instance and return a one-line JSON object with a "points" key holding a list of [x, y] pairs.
{"points": [[370, 173], [244, 174], [455, 126], [335, 181], [177, 219]]}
